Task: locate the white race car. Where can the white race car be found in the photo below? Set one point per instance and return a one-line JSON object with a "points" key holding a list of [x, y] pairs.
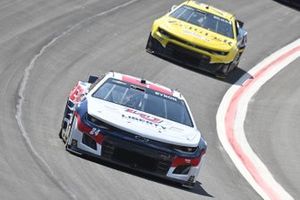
{"points": [[134, 123]]}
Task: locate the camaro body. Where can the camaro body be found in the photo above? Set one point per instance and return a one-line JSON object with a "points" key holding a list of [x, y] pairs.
{"points": [[199, 35], [134, 123]]}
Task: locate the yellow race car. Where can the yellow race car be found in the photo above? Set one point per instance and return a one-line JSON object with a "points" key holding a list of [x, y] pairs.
{"points": [[200, 36]]}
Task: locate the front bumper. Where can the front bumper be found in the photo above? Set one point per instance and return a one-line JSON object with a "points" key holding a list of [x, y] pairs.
{"points": [[124, 151], [186, 54]]}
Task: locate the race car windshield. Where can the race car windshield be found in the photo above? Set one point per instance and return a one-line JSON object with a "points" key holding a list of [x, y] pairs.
{"points": [[203, 19], [144, 99]]}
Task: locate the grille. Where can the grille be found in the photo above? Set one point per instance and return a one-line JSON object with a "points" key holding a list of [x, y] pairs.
{"points": [[151, 160], [135, 159], [87, 140], [182, 169], [106, 128], [162, 167], [173, 37], [107, 150], [186, 55], [100, 124]]}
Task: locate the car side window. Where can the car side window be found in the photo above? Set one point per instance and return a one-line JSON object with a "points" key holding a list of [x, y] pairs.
{"points": [[103, 91]]}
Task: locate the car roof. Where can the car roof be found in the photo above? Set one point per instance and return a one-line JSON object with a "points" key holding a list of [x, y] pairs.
{"points": [[209, 9], [145, 83]]}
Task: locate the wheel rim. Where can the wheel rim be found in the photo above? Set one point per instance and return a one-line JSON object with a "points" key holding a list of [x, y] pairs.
{"points": [[235, 62], [66, 133]]}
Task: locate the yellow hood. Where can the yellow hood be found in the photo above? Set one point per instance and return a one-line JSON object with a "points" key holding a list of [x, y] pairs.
{"points": [[195, 34]]}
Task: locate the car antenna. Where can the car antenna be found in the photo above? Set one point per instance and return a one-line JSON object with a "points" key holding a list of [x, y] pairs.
{"points": [[112, 71], [179, 93], [143, 81], [177, 90]]}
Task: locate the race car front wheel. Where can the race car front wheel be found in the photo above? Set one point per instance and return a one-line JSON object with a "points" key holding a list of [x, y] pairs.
{"points": [[225, 69], [234, 63], [222, 71], [65, 133], [188, 185], [67, 122], [149, 46], [153, 46]]}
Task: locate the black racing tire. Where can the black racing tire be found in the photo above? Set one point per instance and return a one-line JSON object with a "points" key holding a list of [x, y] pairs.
{"points": [[150, 44], [60, 133], [66, 122], [153, 46], [225, 69], [234, 64], [222, 71], [188, 186], [63, 125], [67, 131]]}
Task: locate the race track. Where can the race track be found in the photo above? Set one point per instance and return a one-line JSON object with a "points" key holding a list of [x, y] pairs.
{"points": [[278, 127], [46, 46]]}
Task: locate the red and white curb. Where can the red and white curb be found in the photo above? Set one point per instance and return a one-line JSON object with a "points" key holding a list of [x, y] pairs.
{"points": [[231, 116]]}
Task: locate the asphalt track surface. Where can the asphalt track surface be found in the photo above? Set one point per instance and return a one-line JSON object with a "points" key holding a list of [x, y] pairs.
{"points": [[278, 127], [46, 46]]}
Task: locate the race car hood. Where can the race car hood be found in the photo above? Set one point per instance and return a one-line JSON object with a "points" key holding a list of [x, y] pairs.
{"points": [[143, 124], [196, 35]]}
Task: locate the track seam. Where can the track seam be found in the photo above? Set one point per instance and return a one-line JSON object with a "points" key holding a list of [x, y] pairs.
{"points": [[40, 161]]}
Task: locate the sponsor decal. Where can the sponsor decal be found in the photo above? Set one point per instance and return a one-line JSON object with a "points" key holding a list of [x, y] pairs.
{"points": [[143, 118], [77, 93], [172, 22], [95, 132], [195, 35], [165, 96], [222, 19], [151, 86]]}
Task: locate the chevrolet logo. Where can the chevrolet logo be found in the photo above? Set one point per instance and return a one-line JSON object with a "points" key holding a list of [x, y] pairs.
{"points": [[141, 139], [165, 157]]}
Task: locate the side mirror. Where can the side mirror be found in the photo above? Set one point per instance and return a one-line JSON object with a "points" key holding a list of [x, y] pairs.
{"points": [[92, 79], [242, 38], [173, 8], [240, 23]]}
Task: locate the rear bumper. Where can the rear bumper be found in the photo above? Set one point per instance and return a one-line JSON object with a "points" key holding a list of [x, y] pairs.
{"points": [[133, 155]]}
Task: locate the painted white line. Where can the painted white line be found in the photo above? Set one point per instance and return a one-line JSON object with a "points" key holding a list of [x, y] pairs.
{"points": [[231, 116], [40, 160]]}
